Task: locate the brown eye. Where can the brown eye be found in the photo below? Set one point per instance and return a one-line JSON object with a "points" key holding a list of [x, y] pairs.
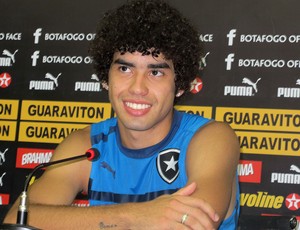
{"points": [[124, 69], [156, 73]]}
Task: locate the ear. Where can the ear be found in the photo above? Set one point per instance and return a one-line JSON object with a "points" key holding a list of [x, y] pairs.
{"points": [[179, 93], [104, 85]]}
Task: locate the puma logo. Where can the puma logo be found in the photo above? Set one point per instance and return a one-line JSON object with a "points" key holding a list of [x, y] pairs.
{"points": [[1, 179], [2, 156], [249, 82], [295, 168], [10, 55], [52, 78], [107, 166]]}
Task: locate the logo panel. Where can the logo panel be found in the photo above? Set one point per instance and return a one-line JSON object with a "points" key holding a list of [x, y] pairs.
{"points": [[4, 199], [292, 202], [31, 157], [250, 171], [167, 164]]}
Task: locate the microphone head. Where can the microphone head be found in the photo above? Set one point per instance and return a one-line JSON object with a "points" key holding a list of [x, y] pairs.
{"points": [[92, 154]]}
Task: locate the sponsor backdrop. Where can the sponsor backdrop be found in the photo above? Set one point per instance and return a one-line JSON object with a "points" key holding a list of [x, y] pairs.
{"points": [[250, 79]]}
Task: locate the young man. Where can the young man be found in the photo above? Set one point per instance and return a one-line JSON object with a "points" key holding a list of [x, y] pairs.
{"points": [[159, 168]]}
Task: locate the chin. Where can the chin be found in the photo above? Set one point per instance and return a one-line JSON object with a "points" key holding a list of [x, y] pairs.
{"points": [[137, 127]]}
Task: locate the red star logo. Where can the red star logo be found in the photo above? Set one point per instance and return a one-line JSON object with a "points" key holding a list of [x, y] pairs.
{"points": [[196, 85], [5, 80], [292, 201]]}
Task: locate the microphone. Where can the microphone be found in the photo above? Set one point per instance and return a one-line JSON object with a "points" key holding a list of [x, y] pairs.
{"points": [[91, 154], [294, 223]]}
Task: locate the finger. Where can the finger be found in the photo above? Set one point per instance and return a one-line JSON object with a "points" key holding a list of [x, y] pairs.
{"points": [[193, 218], [173, 220], [195, 222], [198, 222], [179, 226], [187, 190], [196, 207]]}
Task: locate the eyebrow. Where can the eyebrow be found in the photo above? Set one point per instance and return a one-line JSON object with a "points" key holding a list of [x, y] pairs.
{"points": [[162, 65], [122, 62]]}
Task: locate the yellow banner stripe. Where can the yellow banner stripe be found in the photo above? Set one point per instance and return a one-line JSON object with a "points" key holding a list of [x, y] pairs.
{"points": [[268, 143], [205, 111], [9, 109], [81, 112], [260, 119], [8, 130], [43, 132]]}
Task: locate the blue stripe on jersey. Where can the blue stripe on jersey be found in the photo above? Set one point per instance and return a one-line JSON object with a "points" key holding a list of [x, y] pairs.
{"points": [[124, 198], [95, 139]]}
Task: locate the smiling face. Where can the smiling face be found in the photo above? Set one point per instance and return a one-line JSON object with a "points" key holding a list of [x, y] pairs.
{"points": [[142, 91]]}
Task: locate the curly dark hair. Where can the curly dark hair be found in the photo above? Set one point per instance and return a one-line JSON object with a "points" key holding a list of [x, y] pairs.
{"points": [[142, 25]]}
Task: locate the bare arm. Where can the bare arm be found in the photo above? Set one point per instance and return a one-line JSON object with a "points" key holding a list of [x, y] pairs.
{"points": [[161, 213], [59, 184], [211, 162], [51, 196]]}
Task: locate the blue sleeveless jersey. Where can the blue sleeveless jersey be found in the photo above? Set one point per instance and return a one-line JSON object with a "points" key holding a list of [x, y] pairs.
{"points": [[123, 175]]}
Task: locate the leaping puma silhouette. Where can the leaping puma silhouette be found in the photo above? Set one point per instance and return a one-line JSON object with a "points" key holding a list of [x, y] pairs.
{"points": [[202, 63], [295, 168], [54, 79], [1, 181], [249, 82], [9, 54], [94, 77], [2, 157]]}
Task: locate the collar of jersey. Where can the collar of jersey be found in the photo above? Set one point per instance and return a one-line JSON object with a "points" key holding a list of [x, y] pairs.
{"points": [[151, 150]]}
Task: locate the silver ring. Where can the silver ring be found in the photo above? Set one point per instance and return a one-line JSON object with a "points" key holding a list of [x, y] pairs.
{"points": [[184, 218]]}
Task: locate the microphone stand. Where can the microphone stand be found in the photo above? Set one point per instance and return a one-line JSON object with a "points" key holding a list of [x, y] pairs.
{"points": [[22, 215], [22, 211]]}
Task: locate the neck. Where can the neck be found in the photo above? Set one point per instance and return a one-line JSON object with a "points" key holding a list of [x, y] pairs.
{"points": [[134, 139]]}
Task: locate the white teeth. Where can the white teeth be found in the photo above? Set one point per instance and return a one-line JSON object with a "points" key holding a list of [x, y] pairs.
{"points": [[137, 106]]}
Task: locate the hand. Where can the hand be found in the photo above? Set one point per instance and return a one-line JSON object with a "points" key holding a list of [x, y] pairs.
{"points": [[167, 212]]}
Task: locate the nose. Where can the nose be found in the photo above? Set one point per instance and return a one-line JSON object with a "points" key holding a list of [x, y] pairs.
{"points": [[138, 85]]}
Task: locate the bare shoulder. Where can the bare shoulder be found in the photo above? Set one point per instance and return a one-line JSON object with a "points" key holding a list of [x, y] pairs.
{"points": [[80, 134], [218, 135], [212, 144], [69, 178], [76, 143], [218, 128]]}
